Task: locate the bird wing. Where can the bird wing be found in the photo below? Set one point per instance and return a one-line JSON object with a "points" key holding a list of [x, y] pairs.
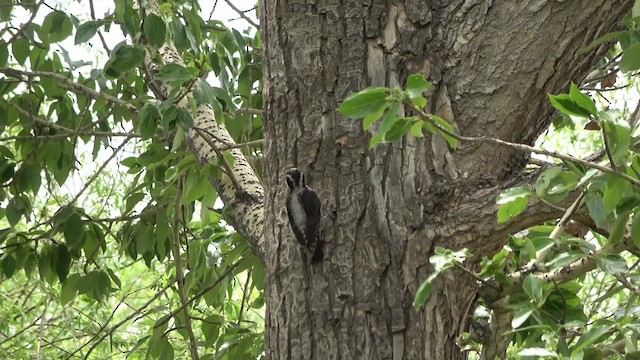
{"points": [[312, 206]]}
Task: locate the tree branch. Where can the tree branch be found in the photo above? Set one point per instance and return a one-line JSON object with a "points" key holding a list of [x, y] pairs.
{"points": [[72, 85], [520, 147], [247, 194]]}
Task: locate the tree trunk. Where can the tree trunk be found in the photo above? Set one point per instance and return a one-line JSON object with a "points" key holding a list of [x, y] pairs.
{"points": [[492, 64]]}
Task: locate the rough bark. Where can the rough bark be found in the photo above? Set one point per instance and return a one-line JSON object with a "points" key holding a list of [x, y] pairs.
{"points": [[492, 64]]}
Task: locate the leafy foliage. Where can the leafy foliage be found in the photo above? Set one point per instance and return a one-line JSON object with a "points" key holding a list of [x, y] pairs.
{"points": [[91, 168]]}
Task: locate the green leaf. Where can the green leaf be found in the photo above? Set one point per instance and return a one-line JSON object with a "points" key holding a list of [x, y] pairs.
{"points": [[635, 229], [511, 194], [174, 72], [615, 189], [203, 93], [511, 209], [123, 59], [596, 331], [400, 127], [416, 86], [416, 129], [601, 40], [375, 140], [619, 138], [596, 208], [373, 117], [390, 118], [8, 265], [630, 58], [133, 200], [69, 289], [422, 294], [520, 316], [149, 118], [365, 102], [613, 264], [582, 100], [566, 105], [62, 261], [618, 229], [195, 187], [86, 31], [537, 352], [4, 57], [554, 184], [56, 27], [155, 29], [130, 17], [532, 286], [74, 231], [184, 118], [453, 142], [211, 329], [21, 49]]}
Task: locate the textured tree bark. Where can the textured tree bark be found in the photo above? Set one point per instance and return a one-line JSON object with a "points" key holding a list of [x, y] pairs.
{"points": [[492, 64]]}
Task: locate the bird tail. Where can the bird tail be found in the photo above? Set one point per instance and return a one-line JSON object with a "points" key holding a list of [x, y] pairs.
{"points": [[318, 254]]}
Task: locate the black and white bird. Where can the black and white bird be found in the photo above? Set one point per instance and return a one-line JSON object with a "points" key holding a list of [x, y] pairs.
{"points": [[303, 208]]}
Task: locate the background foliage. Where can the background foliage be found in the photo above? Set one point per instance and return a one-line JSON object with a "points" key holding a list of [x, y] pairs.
{"points": [[113, 242], [99, 193]]}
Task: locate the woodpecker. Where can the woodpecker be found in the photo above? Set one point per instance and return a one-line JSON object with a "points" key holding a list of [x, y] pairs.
{"points": [[303, 208]]}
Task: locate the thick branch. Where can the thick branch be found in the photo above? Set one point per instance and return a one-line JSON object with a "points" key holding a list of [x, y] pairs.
{"points": [[244, 200]]}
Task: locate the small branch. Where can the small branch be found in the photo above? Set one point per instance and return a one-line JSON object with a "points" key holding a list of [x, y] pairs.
{"points": [[67, 135], [585, 88], [221, 277], [242, 14], [250, 111], [607, 149], [24, 26], [131, 316], [627, 284], [566, 273], [559, 229], [97, 173], [244, 296], [71, 85], [222, 159], [179, 276], [521, 147], [93, 17], [35, 118]]}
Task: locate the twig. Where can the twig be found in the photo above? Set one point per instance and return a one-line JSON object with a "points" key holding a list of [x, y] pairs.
{"points": [[627, 284], [568, 272], [68, 134], [521, 147], [244, 295], [179, 276], [221, 277], [24, 26], [131, 316], [555, 234], [71, 85], [93, 17], [607, 149], [222, 159], [605, 89], [249, 111], [97, 173], [35, 118], [242, 14]]}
